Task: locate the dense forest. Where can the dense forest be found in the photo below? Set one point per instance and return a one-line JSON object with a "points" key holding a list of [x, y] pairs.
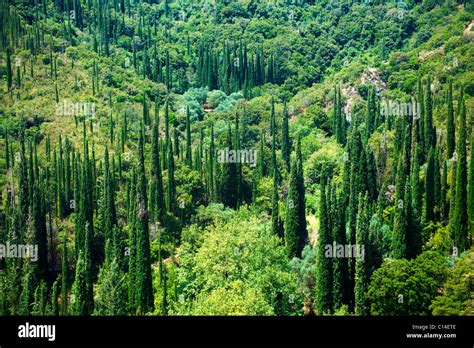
{"points": [[246, 157]]}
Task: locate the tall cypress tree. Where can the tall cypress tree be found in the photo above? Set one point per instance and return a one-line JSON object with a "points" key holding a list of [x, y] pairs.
{"points": [[261, 155], [323, 261], [170, 185], [188, 139], [285, 138], [9, 68], [292, 217], [159, 209], [459, 224], [302, 234], [275, 218], [238, 186], [370, 117], [471, 186], [437, 184], [429, 187], [399, 248], [451, 141], [212, 187], [144, 297], [64, 278], [82, 289], [444, 193], [361, 268], [229, 175], [430, 132], [79, 287], [339, 274], [421, 129], [416, 205], [108, 212]]}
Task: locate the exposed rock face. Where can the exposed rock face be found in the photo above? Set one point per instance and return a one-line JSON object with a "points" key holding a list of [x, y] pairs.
{"points": [[469, 31], [427, 54], [371, 76]]}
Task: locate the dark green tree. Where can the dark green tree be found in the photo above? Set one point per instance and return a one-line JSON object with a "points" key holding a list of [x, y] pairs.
{"points": [[429, 187], [229, 174], [451, 140], [144, 290], [361, 268], [285, 139], [323, 260], [459, 224]]}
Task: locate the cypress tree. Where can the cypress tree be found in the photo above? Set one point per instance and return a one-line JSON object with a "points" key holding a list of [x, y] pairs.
{"points": [[77, 211], [273, 134], [188, 139], [82, 288], [444, 193], [339, 274], [275, 218], [111, 298], [459, 225], [156, 172], [416, 205], [421, 123], [429, 187], [285, 139], [212, 187], [261, 155], [144, 299], [132, 239], [323, 260], [430, 132], [24, 199], [170, 188], [437, 184], [370, 117], [64, 278], [371, 176], [302, 231], [292, 217], [146, 111], [471, 186], [229, 175], [361, 268], [399, 248], [54, 299], [28, 278], [451, 141], [238, 188], [9, 68], [79, 287], [357, 183]]}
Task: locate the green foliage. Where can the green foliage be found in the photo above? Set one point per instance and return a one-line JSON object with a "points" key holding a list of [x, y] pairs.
{"points": [[275, 78], [236, 258], [456, 298], [402, 287]]}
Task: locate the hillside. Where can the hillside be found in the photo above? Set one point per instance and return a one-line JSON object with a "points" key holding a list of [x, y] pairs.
{"points": [[241, 157]]}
